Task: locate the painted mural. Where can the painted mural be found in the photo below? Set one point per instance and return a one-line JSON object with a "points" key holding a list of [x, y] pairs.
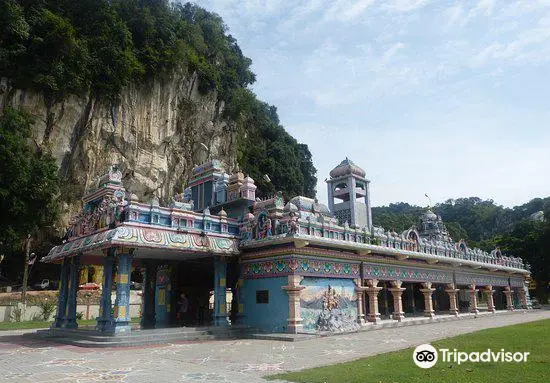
{"points": [[328, 305]]}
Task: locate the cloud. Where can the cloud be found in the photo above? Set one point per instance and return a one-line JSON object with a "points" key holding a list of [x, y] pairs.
{"points": [[390, 53], [526, 48], [406, 5], [354, 10], [425, 95], [452, 15]]}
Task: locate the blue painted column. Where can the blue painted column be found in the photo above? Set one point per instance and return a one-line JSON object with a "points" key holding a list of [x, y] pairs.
{"points": [[105, 318], [121, 320], [240, 316], [62, 297], [220, 298], [149, 286], [70, 319]]}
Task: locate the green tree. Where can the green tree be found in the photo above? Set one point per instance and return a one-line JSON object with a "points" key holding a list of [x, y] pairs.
{"points": [[29, 184], [531, 240]]}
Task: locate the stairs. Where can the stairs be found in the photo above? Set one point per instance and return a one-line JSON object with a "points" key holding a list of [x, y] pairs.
{"points": [[95, 339]]}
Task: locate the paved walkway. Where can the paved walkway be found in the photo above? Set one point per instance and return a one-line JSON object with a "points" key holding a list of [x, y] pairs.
{"points": [[23, 360]]}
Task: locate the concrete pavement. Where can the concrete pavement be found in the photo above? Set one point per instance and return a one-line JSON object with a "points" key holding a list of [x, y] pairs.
{"points": [[28, 360]]}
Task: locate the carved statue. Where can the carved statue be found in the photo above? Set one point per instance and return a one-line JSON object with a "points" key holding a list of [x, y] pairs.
{"points": [[264, 225], [293, 224], [266, 228], [276, 226]]}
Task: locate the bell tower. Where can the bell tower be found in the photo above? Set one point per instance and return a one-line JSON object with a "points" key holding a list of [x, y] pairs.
{"points": [[349, 195]]}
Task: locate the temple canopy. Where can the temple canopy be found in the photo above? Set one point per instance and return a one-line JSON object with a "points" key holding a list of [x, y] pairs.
{"points": [[347, 167]]}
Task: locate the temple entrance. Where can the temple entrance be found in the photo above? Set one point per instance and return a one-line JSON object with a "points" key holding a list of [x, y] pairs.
{"points": [[195, 280], [177, 293]]}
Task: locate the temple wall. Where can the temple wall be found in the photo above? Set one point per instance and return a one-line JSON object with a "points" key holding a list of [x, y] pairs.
{"points": [[271, 316]]}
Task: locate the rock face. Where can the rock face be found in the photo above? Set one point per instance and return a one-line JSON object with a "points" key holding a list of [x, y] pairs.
{"points": [[336, 320], [157, 132]]}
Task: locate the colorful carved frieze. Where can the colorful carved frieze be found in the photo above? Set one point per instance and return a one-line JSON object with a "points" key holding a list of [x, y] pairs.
{"points": [[480, 279], [300, 265], [406, 273]]}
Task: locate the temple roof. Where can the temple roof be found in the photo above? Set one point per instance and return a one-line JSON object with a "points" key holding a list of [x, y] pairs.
{"points": [[310, 205], [347, 167]]}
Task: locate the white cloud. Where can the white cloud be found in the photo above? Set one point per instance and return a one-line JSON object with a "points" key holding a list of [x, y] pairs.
{"points": [[401, 85], [453, 14], [390, 53], [355, 10], [406, 5]]}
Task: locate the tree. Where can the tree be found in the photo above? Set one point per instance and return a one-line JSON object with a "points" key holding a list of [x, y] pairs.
{"points": [[29, 184]]}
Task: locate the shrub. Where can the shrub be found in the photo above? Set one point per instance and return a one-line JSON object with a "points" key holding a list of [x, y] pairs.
{"points": [[47, 308]]}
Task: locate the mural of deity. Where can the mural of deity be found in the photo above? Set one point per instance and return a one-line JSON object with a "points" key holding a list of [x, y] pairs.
{"points": [[330, 299]]}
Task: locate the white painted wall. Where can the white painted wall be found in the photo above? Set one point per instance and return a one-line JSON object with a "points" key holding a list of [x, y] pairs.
{"points": [[5, 311]]}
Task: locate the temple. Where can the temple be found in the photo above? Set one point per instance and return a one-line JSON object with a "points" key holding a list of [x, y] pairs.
{"points": [[277, 266]]}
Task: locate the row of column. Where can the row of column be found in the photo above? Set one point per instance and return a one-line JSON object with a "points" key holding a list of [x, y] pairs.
{"points": [[115, 320], [372, 289]]}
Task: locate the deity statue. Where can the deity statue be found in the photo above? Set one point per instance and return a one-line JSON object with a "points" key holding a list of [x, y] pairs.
{"points": [[293, 224], [330, 300], [264, 225], [276, 226], [266, 228]]}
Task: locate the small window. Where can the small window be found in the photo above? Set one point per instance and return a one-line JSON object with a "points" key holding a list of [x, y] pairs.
{"points": [[262, 296]]}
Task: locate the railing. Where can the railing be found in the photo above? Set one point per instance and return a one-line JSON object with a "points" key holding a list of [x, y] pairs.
{"points": [[385, 239]]}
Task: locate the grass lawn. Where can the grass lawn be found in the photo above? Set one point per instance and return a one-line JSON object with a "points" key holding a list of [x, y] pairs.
{"points": [[41, 324], [398, 366]]}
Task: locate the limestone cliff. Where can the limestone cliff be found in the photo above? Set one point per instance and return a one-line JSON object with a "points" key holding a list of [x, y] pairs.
{"points": [[154, 133]]}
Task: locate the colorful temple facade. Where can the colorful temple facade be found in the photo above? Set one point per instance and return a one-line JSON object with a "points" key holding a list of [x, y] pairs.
{"points": [[279, 266]]}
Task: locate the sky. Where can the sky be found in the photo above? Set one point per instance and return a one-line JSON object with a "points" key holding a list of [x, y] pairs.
{"points": [[437, 97]]}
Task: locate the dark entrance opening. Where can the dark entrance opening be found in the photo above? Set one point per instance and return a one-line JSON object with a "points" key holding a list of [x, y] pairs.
{"points": [[195, 279]]}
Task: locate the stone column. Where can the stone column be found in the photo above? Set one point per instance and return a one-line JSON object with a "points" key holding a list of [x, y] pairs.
{"points": [[148, 293], [523, 298], [473, 299], [70, 319], [360, 291], [413, 303], [104, 320], [293, 290], [428, 290], [220, 296], [62, 297], [121, 318], [397, 292], [488, 291], [453, 306], [386, 303], [372, 291], [509, 301], [240, 317]]}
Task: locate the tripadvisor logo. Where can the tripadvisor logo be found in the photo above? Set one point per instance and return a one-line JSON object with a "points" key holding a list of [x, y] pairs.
{"points": [[426, 356]]}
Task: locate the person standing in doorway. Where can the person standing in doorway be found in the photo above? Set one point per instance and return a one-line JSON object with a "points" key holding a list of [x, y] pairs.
{"points": [[183, 307]]}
